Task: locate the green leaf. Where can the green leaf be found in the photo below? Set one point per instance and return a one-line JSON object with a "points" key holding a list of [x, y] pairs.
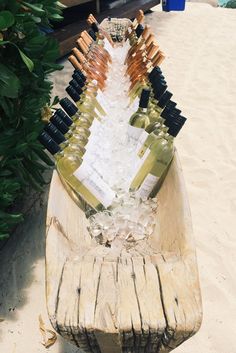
{"points": [[55, 101], [9, 83], [6, 19], [36, 19], [56, 17], [37, 8], [28, 62], [62, 6], [3, 42]]}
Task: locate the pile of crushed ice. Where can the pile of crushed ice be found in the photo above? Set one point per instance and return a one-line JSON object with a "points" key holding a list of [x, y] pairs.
{"points": [[130, 218]]}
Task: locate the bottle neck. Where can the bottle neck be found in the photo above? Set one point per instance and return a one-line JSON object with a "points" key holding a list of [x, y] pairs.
{"points": [[169, 138], [142, 110]]}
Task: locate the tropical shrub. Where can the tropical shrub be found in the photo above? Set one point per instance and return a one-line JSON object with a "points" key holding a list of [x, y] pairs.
{"points": [[27, 57]]}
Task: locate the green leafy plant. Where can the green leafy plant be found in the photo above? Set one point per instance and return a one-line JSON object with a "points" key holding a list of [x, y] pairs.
{"points": [[27, 57]]}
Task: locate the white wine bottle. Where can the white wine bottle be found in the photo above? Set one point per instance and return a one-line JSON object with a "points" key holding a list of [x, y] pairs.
{"points": [[150, 168], [74, 142], [81, 177], [139, 120]]}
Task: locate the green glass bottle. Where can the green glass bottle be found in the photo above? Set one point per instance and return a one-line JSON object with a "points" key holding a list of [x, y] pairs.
{"points": [[150, 168], [86, 103], [81, 177], [73, 144], [139, 120]]}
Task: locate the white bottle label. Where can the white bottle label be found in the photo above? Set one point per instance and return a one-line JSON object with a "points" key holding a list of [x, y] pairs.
{"points": [[147, 186], [138, 162], [134, 133], [142, 138], [95, 184]]}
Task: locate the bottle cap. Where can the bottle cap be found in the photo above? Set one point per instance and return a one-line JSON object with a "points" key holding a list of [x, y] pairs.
{"points": [[143, 103], [173, 118], [175, 128], [155, 70], [76, 86], [92, 34], [168, 108], [78, 79], [139, 30], [80, 73], [157, 77], [52, 131], [58, 122], [68, 106], [48, 143], [64, 117], [73, 94], [171, 105], [158, 92], [94, 27], [165, 97], [157, 82]]}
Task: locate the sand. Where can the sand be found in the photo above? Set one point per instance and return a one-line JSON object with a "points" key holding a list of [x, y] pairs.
{"points": [[200, 68]]}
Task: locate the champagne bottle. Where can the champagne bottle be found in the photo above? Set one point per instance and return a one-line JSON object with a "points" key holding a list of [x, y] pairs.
{"points": [[81, 177], [150, 168], [139, 120]]}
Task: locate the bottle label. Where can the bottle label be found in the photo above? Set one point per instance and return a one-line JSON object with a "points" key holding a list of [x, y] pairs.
{"points": [[138, 162], [95, 184], [147, 186], [142, 138], [134, 133]]}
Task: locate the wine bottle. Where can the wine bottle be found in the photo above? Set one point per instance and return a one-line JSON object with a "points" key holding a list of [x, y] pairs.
{"points": [[86, 101], [69, 126], [74, 143], [153, 129], [150, 168], [139, 120], [79, 175]]}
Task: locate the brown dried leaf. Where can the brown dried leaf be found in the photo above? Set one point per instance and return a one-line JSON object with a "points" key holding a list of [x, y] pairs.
{"points": [[48, 341], [1, 319]]}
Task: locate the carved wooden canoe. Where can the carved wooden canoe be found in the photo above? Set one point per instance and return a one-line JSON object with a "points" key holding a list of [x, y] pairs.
{"points": [[145, 300]]}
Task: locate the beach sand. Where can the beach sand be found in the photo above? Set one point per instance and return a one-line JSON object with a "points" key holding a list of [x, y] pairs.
{"points": [[200, 68]]}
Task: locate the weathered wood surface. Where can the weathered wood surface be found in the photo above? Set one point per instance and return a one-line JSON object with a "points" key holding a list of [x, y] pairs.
{"points": [[112, 300]]}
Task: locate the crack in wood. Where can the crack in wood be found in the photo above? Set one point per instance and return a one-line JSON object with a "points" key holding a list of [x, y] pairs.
{"points": [[57, 296]]}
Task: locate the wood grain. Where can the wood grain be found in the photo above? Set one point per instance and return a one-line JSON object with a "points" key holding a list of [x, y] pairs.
{"points": [[144, 300]]}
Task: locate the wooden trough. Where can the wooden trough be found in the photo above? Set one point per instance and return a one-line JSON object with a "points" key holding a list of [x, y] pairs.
{"points": [[142, 300]]}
